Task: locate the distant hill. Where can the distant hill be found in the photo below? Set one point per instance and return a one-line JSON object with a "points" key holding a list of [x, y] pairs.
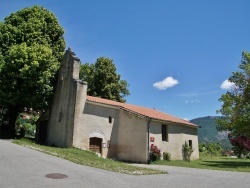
{"points": [[208, 132]]}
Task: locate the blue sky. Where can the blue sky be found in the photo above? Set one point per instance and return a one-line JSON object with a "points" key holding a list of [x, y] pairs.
{"points": [[175, 54]]}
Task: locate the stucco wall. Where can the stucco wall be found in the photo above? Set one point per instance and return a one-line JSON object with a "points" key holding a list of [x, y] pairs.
{"points": [[60, 125], [81, 95], [94, 122], [132, 138], [177, 135]]}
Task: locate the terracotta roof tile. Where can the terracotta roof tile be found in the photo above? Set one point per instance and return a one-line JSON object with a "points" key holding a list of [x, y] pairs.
{"points": [[148, 112]]}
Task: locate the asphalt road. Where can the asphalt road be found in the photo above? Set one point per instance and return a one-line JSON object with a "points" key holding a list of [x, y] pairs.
{"points": [[22, 167]]}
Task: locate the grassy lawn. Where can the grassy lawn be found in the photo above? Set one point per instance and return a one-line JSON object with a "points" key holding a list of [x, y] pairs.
{"points": [[214, 163], [88, 158]]}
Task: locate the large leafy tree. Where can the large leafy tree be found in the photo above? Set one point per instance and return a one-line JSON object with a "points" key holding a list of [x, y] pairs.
{"points": [[103, 81], [236, 102], [31, 48]]}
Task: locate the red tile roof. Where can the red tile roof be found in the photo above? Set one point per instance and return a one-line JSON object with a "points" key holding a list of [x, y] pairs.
{"points": [[148, 112]]}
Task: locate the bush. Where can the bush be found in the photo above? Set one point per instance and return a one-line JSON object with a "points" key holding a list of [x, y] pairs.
{"points": [[26, 127], [155, 153], [29, 129], [210, 149], [187, 151], [166, 156]]}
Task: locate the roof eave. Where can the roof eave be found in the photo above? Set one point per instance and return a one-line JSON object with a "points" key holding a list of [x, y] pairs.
{"points": [[140, 115]]}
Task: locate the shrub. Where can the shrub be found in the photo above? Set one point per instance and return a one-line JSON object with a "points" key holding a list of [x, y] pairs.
{"points": [[211, 149], [26, 127], [29, 129], [155, 153], [166, 156], [187, 151]]}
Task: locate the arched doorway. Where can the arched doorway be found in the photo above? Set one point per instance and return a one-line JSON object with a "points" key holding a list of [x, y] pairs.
{"points": [[95, 144]]}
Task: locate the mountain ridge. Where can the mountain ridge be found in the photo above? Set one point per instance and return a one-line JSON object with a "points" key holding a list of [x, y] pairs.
{"points": [[207, 131]]}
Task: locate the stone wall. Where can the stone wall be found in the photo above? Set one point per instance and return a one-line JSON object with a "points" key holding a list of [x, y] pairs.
{"points": [[62, 112]]}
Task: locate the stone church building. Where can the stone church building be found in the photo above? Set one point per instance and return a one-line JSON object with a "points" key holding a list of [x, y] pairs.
{"points": [[111, 129]]}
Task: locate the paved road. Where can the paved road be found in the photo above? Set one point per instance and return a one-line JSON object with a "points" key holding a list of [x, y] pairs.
{"points": [[21, 167]]}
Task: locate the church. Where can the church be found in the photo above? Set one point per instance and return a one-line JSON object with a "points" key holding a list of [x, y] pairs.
{"points": [[112, 129]]}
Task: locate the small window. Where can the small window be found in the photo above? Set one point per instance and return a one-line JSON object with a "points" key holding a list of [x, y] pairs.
{"points": [[190, 143], [110, 119], [164, 131], [68, 71]]}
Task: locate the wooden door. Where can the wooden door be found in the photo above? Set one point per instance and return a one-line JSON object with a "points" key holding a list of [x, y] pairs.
{"points": [[95, 144]]}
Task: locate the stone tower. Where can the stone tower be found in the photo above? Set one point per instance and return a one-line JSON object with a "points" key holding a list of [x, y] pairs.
{"points": [[68, 102]]}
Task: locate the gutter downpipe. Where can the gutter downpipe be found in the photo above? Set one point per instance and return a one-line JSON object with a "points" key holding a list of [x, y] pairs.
{"points": [[148, 160]]}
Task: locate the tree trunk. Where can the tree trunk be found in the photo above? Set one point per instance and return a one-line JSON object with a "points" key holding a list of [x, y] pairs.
{"points": [[240, 153], [12, 114]]}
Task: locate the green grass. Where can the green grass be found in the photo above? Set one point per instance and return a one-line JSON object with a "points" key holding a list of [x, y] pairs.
{"points": [[88, 158], [91, 159], [214, 163]]}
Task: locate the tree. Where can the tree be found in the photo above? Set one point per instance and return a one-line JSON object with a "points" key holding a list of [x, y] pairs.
{"points": [[236, 102], [103, 81], [31, 48], [87, 73], [241, 144]]}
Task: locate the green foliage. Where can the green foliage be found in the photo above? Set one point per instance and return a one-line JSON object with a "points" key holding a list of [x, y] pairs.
{"points": [[211, 149], [236, 102], [103, 81], [26, 127], [187, 151], [32, 25], [31, 45], [31, 48], [166, 156], [26, 75]]}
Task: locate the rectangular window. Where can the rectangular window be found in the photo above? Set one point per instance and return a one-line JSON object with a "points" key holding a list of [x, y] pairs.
{"points": [[190, 143], [110, 119], [164, 131]]}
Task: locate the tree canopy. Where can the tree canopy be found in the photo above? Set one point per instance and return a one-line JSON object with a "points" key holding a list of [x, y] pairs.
{"points": [[103, 81], [31, 49], [241, 144], [236, 102]]}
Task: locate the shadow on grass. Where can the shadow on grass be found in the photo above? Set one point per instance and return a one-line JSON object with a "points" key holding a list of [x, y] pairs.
{"points": [[228, 164]]}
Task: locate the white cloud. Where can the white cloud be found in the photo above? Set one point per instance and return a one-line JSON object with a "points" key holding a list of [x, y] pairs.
{"points": [[192, 101], [227, 85], [166, 83]]}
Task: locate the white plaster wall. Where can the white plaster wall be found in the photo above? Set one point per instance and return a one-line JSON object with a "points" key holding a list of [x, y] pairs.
{"points": [[95, 123], [177, 135], [132, 138]]}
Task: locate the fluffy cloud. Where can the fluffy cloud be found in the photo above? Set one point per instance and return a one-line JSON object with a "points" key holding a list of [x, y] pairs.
{"points": [[166, 83], [227, 85]]}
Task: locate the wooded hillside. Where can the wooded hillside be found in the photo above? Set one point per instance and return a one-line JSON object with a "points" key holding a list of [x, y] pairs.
{"points": [[208, 132]]}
